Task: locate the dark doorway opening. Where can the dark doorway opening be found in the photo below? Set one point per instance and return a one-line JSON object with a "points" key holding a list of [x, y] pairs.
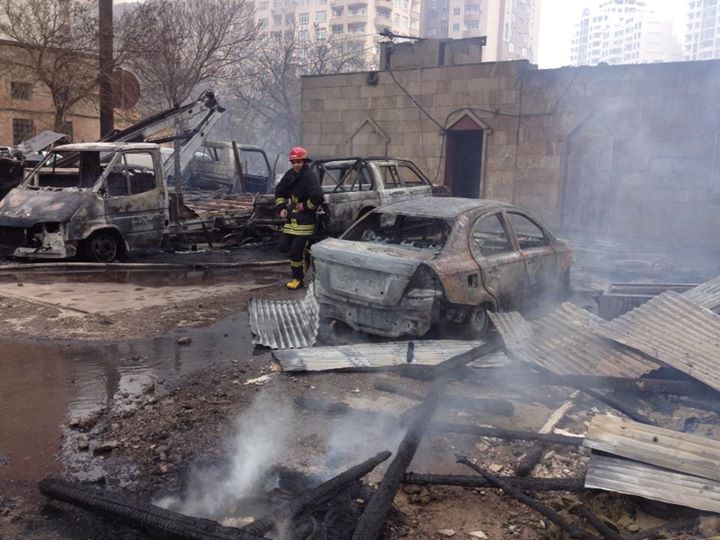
{"points": [[463, 162]]}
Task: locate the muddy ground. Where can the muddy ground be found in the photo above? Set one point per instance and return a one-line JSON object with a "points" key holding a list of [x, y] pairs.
{"points": [[157, 432]]}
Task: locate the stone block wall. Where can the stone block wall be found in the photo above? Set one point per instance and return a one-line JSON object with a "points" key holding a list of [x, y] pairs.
{"points": [[627, 151]]}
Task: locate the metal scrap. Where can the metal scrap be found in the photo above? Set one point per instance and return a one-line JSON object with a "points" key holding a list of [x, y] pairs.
{"points": [[674, 330], [632, 478], [373, 355], [564, 342], [681, 452], [706, 294], [285, 324]]}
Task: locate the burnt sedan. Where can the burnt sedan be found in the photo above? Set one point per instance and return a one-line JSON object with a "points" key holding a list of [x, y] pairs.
{"points": [[406, 266]]}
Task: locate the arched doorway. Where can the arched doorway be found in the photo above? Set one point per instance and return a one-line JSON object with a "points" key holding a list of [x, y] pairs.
{"points": [[463, 158]]}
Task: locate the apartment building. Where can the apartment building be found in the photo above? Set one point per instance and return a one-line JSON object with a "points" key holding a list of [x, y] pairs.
{"points": [[511, 26], [356, 20], [702, 36], [623, 32]]}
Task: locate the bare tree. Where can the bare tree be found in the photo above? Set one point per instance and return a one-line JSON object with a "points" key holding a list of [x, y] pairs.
{"points": [[53, 42], [183, 44], [268, 84]]}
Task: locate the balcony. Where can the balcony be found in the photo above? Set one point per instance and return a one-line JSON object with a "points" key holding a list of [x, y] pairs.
{"points": [[384, 4]]}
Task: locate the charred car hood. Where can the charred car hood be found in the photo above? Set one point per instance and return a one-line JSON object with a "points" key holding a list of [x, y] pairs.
{"points": [[372, 273], [25, 207]]}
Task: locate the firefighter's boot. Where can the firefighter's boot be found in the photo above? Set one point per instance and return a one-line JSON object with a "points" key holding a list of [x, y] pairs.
{"points": [[295, 284]]}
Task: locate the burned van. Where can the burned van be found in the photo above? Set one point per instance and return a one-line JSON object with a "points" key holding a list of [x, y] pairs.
{"points": [[98, 200]]}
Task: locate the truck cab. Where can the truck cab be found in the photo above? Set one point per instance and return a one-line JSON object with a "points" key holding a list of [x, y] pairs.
{"points": [[100, 200]]}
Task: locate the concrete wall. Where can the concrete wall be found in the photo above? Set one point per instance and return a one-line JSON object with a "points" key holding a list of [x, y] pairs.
{"points": [[627, 151]]}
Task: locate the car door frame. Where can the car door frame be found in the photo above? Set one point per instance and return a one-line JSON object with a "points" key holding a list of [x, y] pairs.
{"points": [[142, 218], [541, 261], [497, 270]]}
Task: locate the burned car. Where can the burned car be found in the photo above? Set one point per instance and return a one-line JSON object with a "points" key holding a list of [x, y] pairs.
{"points": [[354, 186], [406, 266]]}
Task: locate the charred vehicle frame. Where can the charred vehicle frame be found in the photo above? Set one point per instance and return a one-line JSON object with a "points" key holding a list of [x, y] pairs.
{"points": [[406, 266]]}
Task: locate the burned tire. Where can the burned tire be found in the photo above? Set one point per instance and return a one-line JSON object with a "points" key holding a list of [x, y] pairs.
{"points": [[102, 247], [477, 323]]}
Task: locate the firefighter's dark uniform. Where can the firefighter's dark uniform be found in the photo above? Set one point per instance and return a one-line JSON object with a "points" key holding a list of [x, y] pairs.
{"points": [[301, 187]]}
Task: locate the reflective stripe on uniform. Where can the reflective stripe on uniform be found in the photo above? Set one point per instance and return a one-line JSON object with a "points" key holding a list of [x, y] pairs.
{"points": [[296, 264], [280, 200], [310, 205], [299, 230]]}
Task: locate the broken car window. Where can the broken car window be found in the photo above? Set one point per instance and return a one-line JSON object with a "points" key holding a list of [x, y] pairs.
{"points": [[408, 177], [488, 236], [141, 172], [69, 170], [528, 234], [413, 232]]}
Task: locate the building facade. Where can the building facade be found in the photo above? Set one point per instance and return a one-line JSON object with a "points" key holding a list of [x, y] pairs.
{"points": [[511, 26], [26, 109], [702, 36], [628, 151], [623, 32], [356, 20]]}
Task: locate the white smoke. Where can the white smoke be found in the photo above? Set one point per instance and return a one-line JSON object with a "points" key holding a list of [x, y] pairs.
{"points": [[259, 438]]}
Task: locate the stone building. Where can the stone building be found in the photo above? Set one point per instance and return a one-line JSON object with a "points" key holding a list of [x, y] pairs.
{"points": [[628, 151], [26, 109]]}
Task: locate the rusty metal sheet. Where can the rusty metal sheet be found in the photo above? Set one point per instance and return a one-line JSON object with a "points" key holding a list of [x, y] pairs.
{"points": [[285, 324], [362, 355], [632, 478], [681, 452], [674, 330], [564, 342], [706, 294]]}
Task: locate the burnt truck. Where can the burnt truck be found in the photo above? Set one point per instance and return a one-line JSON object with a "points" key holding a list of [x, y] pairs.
{"points": [[103, 200]]}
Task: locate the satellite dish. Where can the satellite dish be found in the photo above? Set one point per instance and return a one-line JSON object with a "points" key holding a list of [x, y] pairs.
{"points": [[126, 89]]}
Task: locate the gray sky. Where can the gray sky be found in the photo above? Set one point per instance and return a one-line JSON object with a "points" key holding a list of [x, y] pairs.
{"points": [[557, 24]]}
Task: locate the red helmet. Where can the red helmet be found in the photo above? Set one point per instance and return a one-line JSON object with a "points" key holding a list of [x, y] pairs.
{"points": [[298, 152]]}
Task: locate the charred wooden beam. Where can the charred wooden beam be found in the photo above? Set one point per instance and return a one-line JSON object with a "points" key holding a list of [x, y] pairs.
{"points": [[525, 484], [314, 496], [371, 521], [549, 513], [151, 518], [530, 461], [428, 373], [607, 532], [500, 407], [327, 407], [507, 434]]}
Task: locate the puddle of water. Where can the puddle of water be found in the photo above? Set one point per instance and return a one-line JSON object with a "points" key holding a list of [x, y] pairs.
{"points": [[43, 386], [154, 278]]}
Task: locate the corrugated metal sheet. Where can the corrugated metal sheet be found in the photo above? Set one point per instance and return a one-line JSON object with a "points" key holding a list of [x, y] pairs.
{"points": [[376, 355], [285, 324], [563, 341], [633, 478], [706, 294], [681, 452], [674, 330]]}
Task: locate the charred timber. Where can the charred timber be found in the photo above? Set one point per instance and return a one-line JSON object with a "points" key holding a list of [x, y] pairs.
{"points": [[549, 513], [500, 407], [327, 407], [371, 521], [507, 434], [153, 519], [525, 484], [607, 532], [530, 461], [314, 496], [457, 362]]}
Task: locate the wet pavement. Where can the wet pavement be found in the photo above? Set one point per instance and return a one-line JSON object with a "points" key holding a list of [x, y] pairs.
{"points": [[45, 385]]}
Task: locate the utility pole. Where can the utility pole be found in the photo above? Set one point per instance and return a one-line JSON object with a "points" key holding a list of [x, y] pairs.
{"points": [[105, 19]]}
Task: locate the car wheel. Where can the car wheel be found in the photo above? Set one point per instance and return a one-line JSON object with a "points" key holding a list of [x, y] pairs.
{"points": [[477, 323], [102, 247]]}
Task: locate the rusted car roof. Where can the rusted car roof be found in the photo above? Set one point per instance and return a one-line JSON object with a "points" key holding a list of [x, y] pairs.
{"points": [[443, 207]]}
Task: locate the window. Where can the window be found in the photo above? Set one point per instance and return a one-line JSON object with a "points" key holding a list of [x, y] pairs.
{"points": [[21, 90], [289, 18], [320, 16], [456, 11], [339, 178], [337, 29], [320, 33], [304, 19], [472, 25], [489, 237], [262, 23], [23, 129], [303, 35], [132, 174], [322, 2], [456, 27], [408, 232], [262, 6], [337, 11], [528, 234], [277, 20]]}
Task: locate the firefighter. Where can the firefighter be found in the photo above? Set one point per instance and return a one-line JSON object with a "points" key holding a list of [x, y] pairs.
{"points": [[297, 198]]}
